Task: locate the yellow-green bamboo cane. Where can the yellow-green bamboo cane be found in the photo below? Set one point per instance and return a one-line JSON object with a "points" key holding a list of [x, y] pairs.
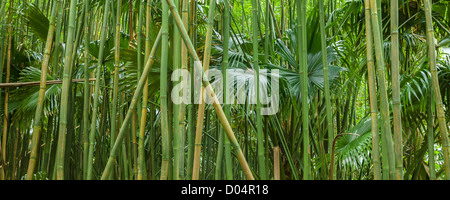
{"points": [[201, 106], [259, 127], [385, 118], [396, 104], [226, 107], [65, 93], [163, 92], [42, 88], [8, 74], [97, 91], [443, 127], [325, 76], [303, 70], [182, 107], [372, 94], [176, 129], [116, 73], [430, 136], [86, 95], [143, 121]]}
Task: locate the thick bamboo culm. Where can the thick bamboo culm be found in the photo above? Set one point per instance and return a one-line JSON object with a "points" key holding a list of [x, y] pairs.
{"points": [[39, 108]]}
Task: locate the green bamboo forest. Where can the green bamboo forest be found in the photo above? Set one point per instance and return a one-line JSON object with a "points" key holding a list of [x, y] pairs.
{"points": [[179, 89]]}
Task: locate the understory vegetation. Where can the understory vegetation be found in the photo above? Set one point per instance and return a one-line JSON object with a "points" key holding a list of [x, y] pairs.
{"points": [[361, 89]]}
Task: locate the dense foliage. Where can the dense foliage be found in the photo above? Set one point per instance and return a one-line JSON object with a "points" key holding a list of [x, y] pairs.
{"points": [[364, 89]]}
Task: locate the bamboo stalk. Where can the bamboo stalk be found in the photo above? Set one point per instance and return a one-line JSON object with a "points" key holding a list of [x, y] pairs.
{"points": [[97, 91], [430, 136], [65, 94], [116, 73], [5, 103], [143, 121], [37, 117], [385, 119], [191, 106], [436, 90], [163, 92], [226, 107], [176, 129], [259, 127], [182, 107], [37, 83], [325, 75], [396, 104], [59, 19], [201, 106], [372, 94], [86, 91], [303, 70]]}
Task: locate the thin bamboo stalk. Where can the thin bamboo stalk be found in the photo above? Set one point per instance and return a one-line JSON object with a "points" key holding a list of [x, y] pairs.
{"points": [[65, 93], [385, 119], [176, 129], [259, 127], [147, 54], [37, 83], [303, 70], [143, 121], [5, 101], [443, 128], [226, 107], [201, 106], [59, 19], [191, 106], [163, 92], [430, 136], [93, 127], [325, 75], [396, 104], [182, 107], [372, 95], [86, 91]]}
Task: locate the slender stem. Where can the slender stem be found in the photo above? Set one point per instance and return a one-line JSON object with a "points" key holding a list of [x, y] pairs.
{"points": [[226, 107], [372, 95], [86, 95], [201, 106], [443, 128], [97, 91], [65, 93], [303, 70], [385, 119], [396, 104]]}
